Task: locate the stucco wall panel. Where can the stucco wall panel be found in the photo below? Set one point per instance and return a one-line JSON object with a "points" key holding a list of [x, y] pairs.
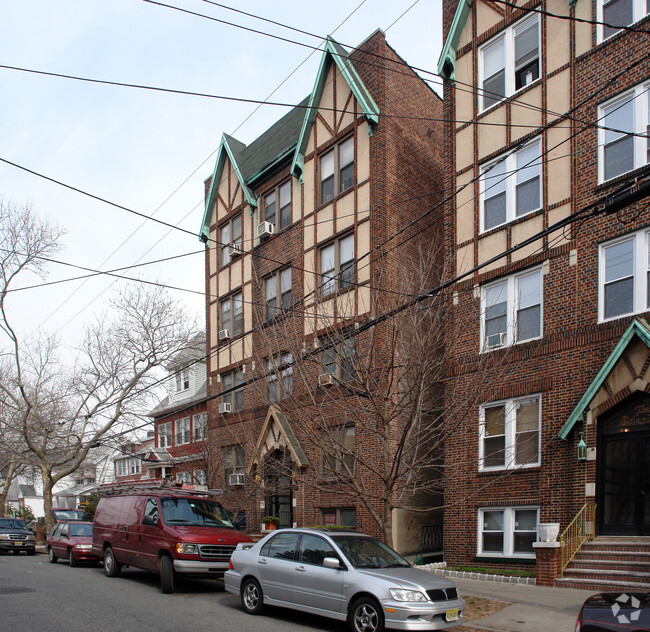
{"points": [[490, 246], [523, 231], [492, 135], [525, 118]]}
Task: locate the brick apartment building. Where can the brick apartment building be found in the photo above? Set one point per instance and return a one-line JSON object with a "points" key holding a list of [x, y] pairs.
{"points": [[549, 115], [293, 227]]}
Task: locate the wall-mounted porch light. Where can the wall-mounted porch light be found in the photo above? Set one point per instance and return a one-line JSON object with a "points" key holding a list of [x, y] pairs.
{"points": [[582, 449]]}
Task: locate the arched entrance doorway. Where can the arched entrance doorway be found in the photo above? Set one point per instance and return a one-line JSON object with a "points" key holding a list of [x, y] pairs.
{"points": [[623, 476], [278, 497]]}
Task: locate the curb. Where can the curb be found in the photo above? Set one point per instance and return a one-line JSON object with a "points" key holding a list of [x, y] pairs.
{"points": [[500, 579]]}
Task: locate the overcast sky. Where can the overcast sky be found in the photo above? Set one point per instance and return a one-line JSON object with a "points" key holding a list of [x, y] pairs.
{"points": [[151, 151]]}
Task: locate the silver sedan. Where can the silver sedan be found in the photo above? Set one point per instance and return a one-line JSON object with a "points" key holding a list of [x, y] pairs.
{"points": [[344, 575]]}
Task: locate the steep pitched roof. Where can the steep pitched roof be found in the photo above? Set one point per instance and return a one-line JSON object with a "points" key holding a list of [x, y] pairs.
{"points": [[638, 327]]}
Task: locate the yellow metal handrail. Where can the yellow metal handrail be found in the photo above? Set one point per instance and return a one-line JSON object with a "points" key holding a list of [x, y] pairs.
{"points": [[581, 529]]}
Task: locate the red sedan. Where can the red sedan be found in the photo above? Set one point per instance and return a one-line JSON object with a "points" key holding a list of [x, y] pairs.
{"points": [[73, 541]]}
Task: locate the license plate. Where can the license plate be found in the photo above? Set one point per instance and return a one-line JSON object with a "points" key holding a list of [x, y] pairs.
{"points": [[18, 543], [452, 615]]}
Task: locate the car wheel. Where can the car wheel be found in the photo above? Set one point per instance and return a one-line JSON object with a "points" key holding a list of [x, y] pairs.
{"points": [[252, 597], [16, 552], [73, 559], [167, 574], [50, 554], [31, 551], [366, 616], [111, 565]]}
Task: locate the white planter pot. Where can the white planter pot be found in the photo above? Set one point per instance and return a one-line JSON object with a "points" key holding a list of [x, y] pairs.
{"points": [[548, 531]]}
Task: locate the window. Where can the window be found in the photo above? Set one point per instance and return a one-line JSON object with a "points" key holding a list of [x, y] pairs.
{"points": [[230, 235], [337, 170], [337, 265], [234, 398], [277, 302], [507, 532], [233, 461], [183, 435], [314, 549], [511, 310], [509, 434], [151, 509], [185, 478], [338, 452], [165, 435], [127, 466], [511, 187], [200, 422], [509, 62], [282, 546], [338, 358], [343, 517], [182, 379], [279, 389], [232, 314], [617, 13], [624, 276], [200, 477], [623, 123], [277, 206]]}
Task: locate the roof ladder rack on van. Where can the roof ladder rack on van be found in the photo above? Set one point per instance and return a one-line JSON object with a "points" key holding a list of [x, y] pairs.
{"points": [[153, 485]]}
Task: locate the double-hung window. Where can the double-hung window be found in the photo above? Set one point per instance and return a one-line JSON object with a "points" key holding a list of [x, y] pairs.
{"points": [[337, 265], [624, 276], [279, 377], [337, 170], [511, 310], [339, 358], [232, 314], [507, 531], [165, 435], [200, 426], [235, 398], [230, 239], [277, 206], [183, 379], [618, 13], [233, 462], [277, 301], [509, 434], [512, 186], [338, 452], [183, 434], [509, 61], [623, 143]]}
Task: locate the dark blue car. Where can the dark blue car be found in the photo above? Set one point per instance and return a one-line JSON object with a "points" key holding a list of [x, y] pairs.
{"points": [[620, 611]]}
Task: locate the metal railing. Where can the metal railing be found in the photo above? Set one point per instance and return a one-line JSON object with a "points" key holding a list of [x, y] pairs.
{"points": [[581, 529]]}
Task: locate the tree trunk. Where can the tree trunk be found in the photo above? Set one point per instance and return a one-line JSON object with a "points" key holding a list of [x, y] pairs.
{"points": [[47, 499], [6, 485]]}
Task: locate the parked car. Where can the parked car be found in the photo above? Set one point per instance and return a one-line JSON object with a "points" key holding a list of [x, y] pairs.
{"points": [[345, 575], [616, 612], [61, 515], [16, 537], [72, 540], [168, 530]]}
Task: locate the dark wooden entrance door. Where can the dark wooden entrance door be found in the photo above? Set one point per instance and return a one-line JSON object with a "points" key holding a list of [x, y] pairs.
{"points": [[277, 483], [624, 470]]}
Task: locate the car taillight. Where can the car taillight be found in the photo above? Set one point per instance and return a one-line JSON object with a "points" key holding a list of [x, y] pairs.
{"points": [[579, 621]]}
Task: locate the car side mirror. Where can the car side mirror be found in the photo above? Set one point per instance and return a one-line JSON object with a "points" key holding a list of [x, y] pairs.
{"points": [[332, 562], [150, 521]]}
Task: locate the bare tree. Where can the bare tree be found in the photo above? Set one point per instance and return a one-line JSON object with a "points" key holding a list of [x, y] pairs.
{"points": [[61, 412]]}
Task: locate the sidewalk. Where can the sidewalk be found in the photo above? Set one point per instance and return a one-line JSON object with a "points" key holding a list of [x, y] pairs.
{"points": [[533, 609]]}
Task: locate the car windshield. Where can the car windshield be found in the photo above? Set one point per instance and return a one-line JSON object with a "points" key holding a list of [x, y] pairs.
{"points": [[364, 552], [11, 523], [81, 530], [195, 512], [68, 514]]}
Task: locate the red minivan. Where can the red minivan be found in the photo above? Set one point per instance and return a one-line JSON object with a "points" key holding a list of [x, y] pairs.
{"points": [[164, 529]]}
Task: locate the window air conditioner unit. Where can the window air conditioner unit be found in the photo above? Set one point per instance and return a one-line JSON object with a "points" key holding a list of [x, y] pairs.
{"points": [[236, 479], [326, 379], [224, 334], [265, 229], [224, 408], [235, 249], [495, 341]]}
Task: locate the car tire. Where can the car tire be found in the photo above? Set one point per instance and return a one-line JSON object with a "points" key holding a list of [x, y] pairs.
{"points": [[50, 555], [366, 616], [31, 551], [252, 597], [111, 566], [16, 552], [167, 574], [73, 560]]}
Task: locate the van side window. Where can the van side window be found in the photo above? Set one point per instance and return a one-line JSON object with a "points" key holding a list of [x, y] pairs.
{"points": [[152, 509]]}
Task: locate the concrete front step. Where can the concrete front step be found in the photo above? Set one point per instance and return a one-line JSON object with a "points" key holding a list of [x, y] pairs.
{"points": [[640, 545]]}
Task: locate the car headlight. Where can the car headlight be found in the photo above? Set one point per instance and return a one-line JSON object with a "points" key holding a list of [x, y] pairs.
{"points": [[4, 536], [31, 537], [83, 547], [187, 549], [399, 594]]}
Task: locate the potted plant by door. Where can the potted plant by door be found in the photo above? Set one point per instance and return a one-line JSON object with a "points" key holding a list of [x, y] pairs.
{"points": [[270, 522]]}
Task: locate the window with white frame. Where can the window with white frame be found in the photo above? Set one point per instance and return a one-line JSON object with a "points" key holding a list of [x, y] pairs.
{"points": [[507, 531], [231, 315], [337, 170], [618, 13], [200, 477], [235, 397], [233, 462], [511, 310], [128, 466], [509, 434], [277, 206], [624, 276], [165, 435], [185, 478], [277, 301], [183, 434], [230, 236], [337, 265], [182, 377], [200, 426], [623, 143], [512, 186], [279, 377], [509, 62]]}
